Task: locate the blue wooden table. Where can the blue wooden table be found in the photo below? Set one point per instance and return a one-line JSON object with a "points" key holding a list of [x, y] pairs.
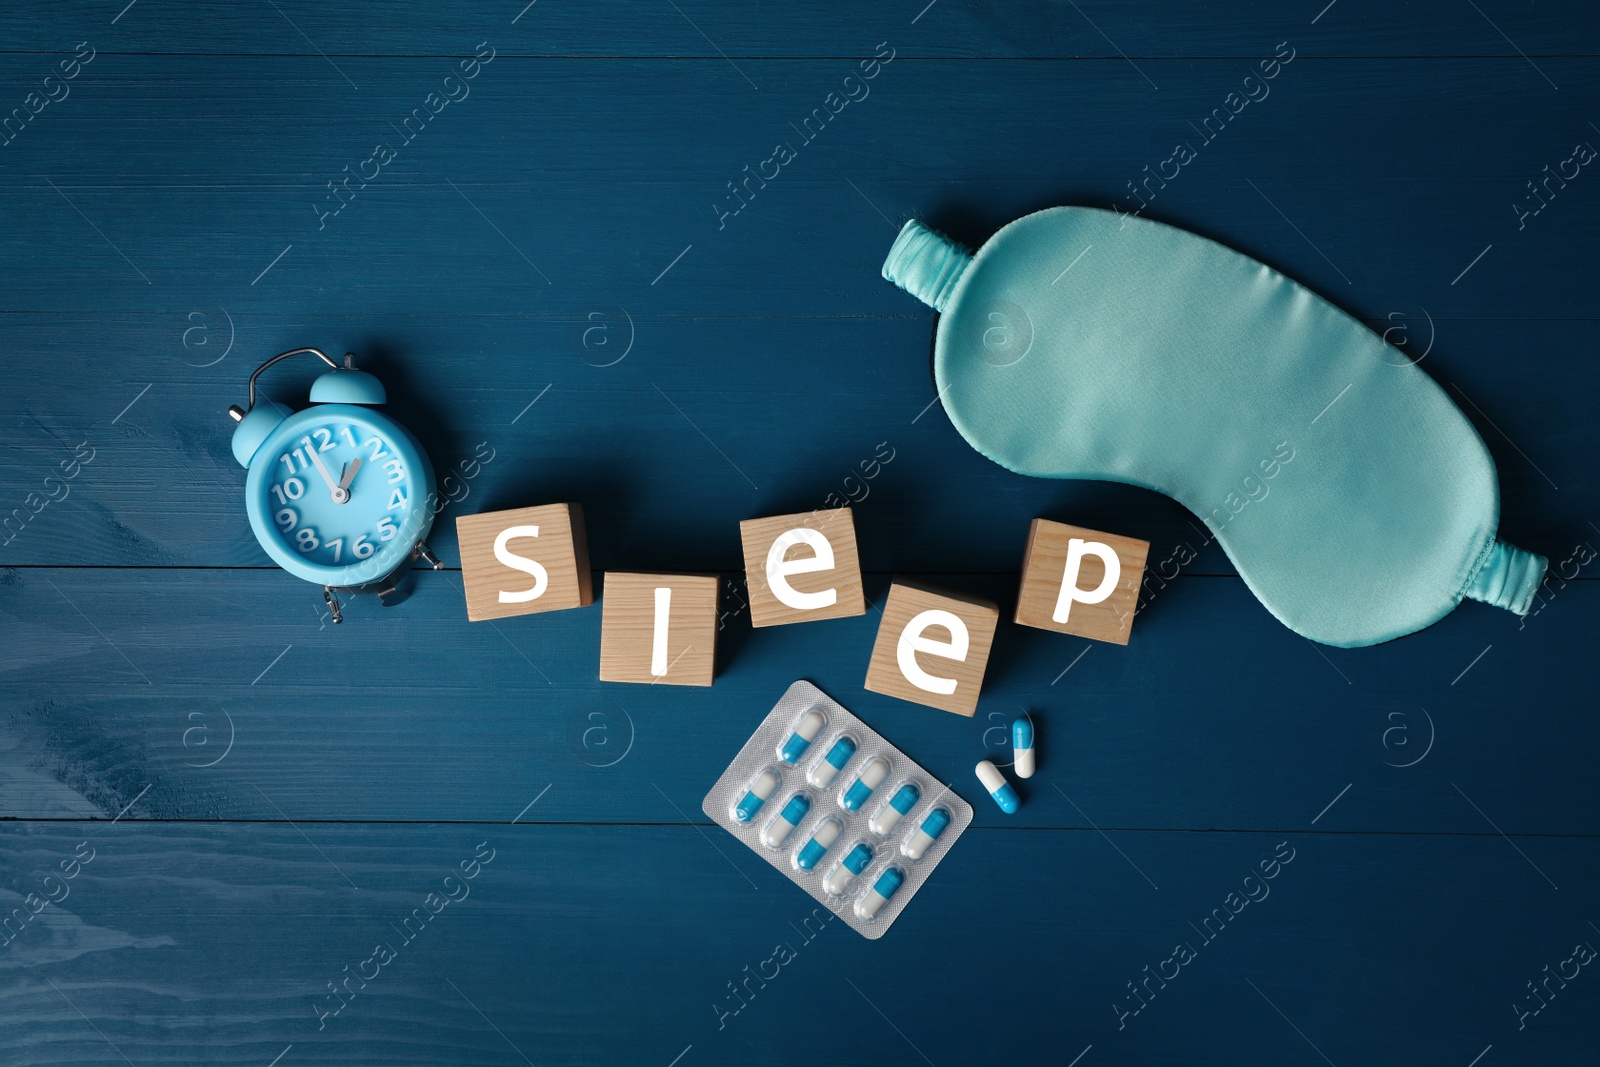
{"points": [[217, 805]]}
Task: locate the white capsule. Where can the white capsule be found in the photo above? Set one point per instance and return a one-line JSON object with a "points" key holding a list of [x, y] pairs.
{"points": [[873, 900], [756, 795], [805, 732], [845, 871], [827, 768], [889, 815], [872, 776], [822, 839], [998, 787], [782, 825], [936, 822], [1022, 748]]}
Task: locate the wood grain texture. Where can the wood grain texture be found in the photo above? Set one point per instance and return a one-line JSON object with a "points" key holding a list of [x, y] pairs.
{"points": [[658, 628], [1044, 559], [553, 283], [1102, 30], [843, 578], [949, 634], [413, 713], [553, 539], [575, 944]]}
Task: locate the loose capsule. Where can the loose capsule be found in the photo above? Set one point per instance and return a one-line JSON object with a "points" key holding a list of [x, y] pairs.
{"points": [[888, 816], [782, 825], [872, 776], [839, 879], [998, 787], [873, 900], [822, 774], [935, 824], [826, 833], [805, 732], [760, 789], [1022, 748]]}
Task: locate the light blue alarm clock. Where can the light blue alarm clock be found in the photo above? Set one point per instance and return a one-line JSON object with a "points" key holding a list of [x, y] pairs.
{"points": [[338, 494]]}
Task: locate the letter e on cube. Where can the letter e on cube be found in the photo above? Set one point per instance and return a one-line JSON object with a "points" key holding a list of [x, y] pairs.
{"points": [[932, 647], [799, 568]]}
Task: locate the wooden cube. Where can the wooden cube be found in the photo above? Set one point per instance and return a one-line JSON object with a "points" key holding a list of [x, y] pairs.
{"points": [[525, 560], [915, 656], [1066, 586], [799, 568], [658, 628]]}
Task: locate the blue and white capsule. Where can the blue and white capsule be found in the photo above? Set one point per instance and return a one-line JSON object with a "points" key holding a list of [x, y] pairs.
{"points": [[1022, 748], [761, 788], [882, 891], [998, 787], [782, 825], [822, 839], [825, 770], [805, 731], [838, 881], [917, 845], [889, 816], [870, 778]]}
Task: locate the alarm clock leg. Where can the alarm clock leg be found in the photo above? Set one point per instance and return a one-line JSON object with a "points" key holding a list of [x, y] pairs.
{"points": [[426, 553], [333, 604]]}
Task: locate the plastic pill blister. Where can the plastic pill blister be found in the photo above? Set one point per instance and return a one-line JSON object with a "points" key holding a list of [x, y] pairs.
{"points": [[847, 816]]}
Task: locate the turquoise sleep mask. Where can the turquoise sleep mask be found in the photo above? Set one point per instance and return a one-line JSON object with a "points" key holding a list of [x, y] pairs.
{"points": [[1354, 498]]}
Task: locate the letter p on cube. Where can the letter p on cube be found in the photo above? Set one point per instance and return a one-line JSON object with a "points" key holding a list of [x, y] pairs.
{"points": [[1083, 582]]}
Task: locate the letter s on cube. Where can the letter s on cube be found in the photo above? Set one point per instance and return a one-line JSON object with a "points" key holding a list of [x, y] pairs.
{"points": [[932, 647], [799, 568], [525, 560], [1083, 582]]}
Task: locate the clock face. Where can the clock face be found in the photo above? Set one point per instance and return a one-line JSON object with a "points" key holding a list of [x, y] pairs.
{"points": [[339, 494]]}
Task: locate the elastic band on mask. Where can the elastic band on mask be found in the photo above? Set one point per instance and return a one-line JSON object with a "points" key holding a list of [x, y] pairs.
{"points": [[926, 264], [1508, 578]]}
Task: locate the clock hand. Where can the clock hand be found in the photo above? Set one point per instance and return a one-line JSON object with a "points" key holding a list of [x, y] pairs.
{"points": [[348, 475], [337, 492]]}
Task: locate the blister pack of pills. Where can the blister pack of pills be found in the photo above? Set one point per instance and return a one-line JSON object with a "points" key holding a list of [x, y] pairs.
{"points": [[848, 817]]}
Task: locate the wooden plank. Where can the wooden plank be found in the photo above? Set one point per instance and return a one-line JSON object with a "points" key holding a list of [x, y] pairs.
{"points": [[538, 147], [1101, 29], [1215, 717], [200, 944], [626, 440]]}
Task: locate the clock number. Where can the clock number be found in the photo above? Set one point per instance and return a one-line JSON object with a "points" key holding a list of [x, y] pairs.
{"points": [[348, 436], [291, 489], [386, 530], [336, 544], [300, 455], [396, 469], [324, 439], [287, 518], [287, 462], [307, 538], [361, 548], [378, 451], [396, 501]]}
